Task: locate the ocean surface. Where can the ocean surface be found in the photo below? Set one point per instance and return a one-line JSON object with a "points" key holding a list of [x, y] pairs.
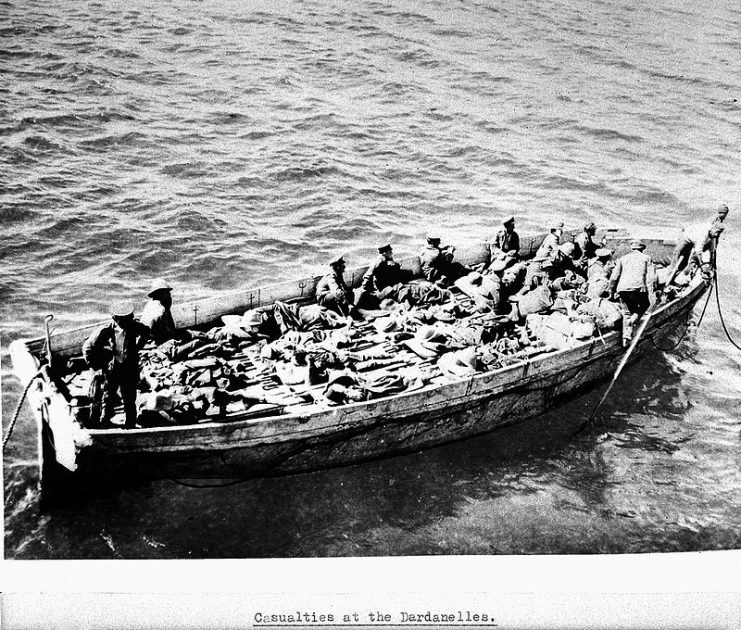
{"points": [[224, 144]]}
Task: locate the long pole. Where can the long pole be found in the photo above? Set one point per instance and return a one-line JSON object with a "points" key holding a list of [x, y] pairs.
{"points": [[633, 344], [49, 355]]}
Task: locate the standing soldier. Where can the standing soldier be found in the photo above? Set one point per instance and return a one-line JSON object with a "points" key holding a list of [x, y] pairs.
{"points": [[634, 280], [113, 352], [331, 290]]}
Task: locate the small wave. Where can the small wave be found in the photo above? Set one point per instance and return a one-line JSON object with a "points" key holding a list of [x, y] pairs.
{"points": [[394, 89], [452, 32], [406, 16], [40, 144], [298, 173], [316, 121], [114, 140], [20, 54], [185, 170], [608, 134], [487, 76], [651, 195], [227, 118], [256, 135], [63, 226], [420, 56], [251, 182], [568, 183], [464, 151], [53, 120], [120, 53], [490, 127]]}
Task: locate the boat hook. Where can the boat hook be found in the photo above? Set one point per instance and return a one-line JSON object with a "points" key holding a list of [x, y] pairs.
{"points": [[17, 411]]}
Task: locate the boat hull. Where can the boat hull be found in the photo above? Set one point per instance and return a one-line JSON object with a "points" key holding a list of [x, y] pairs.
{"points": [[387, 427], [321, 438]]}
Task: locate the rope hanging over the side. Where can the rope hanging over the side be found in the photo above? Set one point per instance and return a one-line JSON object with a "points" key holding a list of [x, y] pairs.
{"points": [[688, 323], [18, 409], [720, 313]]}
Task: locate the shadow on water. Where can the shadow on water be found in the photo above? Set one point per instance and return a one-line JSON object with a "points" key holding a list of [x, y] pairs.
{"points": [[398, 506]]}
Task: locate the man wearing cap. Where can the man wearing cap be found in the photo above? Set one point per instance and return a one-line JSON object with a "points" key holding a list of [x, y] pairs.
{"points": [[383, 272], [601, 265], [157, 315], [505, 240], [434, 259], [331, 290], [584, 241], [437, 263], [634, 280], [566, 260], [113, 352], [549, 247]]}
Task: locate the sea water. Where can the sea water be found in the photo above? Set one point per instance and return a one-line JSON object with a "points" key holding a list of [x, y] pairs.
{"points": [[227, 144]]}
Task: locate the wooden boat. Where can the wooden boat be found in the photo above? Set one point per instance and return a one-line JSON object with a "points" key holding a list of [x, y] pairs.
{"points": [[314, 438]]}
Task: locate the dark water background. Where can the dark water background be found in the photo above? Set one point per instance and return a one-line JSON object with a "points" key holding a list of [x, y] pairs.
{"points": [[221, 144]]}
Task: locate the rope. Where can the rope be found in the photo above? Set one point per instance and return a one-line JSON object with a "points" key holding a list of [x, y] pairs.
{"points": [[720, 313], [18, 409], [688, 323]]}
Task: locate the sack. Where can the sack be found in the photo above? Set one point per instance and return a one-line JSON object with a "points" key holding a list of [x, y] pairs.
{"points": [[385, 384], [553, 330], [458, 364], [583, 328], [598, 287], [607, 315], [538, 300]]}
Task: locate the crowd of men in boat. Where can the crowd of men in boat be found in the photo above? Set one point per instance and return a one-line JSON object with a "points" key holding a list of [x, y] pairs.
{"points": [[505, 288]]}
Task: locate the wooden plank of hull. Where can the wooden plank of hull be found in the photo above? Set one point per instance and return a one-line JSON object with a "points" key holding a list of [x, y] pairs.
{"points": [[378, 429]]}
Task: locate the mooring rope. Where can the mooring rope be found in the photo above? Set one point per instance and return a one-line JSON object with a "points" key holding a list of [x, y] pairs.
{"points": [[18, 409], [720, 313], [688, 323]]}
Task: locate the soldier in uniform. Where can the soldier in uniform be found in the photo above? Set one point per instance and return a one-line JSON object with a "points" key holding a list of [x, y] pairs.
{"points": [[505, 240], [156, 314], [332, 292], [383, 272], [634, 281], [113, 352], [549, 247], [437, 263], [601, 265], [585, 242]]}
